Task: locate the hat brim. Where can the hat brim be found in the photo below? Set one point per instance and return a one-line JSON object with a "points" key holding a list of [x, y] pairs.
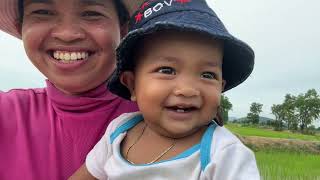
{"points": [[9, 15], [238, 60]]}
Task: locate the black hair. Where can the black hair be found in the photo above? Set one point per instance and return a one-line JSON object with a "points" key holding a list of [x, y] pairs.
{"points": [[20, 10], [122, 12]]}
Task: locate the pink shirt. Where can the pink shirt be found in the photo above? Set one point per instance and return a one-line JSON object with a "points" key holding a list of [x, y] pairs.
{"points": [[46, 135]]}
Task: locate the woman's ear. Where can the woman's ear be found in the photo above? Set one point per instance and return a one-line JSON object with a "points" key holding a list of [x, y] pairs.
{"points": [[127, 79], [18, 25]]}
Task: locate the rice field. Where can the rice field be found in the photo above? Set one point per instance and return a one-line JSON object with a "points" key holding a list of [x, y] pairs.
{"points": [[252, 131], [282, 164], [288, 166]]}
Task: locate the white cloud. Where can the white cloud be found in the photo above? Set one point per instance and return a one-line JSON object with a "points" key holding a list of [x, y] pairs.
{"points": [[285, 37]]}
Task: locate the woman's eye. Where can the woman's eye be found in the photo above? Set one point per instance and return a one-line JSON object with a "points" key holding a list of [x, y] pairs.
{"points": [[166, 70], [208, 75], [42, 12], [91, 14]]}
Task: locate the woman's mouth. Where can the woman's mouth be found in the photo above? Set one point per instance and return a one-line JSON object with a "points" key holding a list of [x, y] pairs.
{"points": [[70, 56]]}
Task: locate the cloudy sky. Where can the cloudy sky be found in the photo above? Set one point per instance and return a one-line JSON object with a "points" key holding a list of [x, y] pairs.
{"points": [[284, 34]]}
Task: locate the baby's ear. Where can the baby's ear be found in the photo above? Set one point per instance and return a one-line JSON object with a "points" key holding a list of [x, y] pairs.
{"points": [[127, 79], [224, 82]]}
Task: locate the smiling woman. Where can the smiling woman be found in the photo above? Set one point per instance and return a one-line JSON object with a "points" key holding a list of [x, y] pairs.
{"points": [[89, 29], [72, 43]]}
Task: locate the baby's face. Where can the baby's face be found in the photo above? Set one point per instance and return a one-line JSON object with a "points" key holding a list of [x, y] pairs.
{"points": [[72, 42], [178, 82]]}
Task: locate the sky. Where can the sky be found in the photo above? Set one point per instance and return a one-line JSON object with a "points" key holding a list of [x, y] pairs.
{"points": [[285, 36]]}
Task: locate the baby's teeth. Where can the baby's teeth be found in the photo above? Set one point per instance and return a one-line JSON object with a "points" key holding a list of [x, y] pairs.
{"points": [[180, 110]]}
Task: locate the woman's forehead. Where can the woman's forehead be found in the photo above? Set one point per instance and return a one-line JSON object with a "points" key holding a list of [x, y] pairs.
{"points": [[82, 2]]}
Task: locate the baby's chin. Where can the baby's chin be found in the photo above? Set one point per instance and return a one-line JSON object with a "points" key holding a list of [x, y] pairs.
{"points": [[182, 133]]}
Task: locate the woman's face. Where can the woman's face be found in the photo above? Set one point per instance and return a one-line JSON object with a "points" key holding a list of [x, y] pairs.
{"points": [[72, 42]]}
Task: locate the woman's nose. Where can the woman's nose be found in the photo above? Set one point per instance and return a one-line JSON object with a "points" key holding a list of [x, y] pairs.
{"points": [[68, 30]]}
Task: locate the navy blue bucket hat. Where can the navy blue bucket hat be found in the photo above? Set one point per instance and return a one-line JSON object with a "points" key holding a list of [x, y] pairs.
{"points": [[188, 16]]}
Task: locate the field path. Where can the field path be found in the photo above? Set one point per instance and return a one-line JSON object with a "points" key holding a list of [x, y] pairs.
{"points": [[292, 145]]}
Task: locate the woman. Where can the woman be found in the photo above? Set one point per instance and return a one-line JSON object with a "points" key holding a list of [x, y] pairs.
{"points": [[46, 133]]}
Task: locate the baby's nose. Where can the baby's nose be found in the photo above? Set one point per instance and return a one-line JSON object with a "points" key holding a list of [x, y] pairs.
{"points": [[186, 91]]}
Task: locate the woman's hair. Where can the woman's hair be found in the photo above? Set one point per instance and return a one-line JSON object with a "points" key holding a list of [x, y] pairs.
{"points": [[122, 12], [20, 10]]}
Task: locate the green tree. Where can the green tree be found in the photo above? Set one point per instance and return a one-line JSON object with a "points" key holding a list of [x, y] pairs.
{"points": [[226, 106], [289, 112], [308, 108], [277, 111], [253, 115]]}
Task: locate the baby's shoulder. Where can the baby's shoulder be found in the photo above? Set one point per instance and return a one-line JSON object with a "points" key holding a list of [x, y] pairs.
{"points": [[124, 118], [228, 152], [223, 138], [122, 123]]}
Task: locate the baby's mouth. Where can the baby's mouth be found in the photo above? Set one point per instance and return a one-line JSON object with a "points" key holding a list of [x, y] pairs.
{"points": [[69, 57], [180, 109]]}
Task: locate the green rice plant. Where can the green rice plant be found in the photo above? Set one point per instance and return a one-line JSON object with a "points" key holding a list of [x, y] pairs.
{"points": [[288, 166], [253, 131]]}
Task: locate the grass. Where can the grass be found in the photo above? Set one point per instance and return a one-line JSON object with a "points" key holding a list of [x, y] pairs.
{"points": [[252, 131], [288, 166], [276, 158]]}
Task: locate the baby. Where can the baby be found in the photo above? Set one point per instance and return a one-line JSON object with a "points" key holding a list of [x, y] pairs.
{"points": [[175, 63]]}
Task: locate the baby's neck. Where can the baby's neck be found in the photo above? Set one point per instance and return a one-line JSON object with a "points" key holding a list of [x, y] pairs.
{"points": [[142, 145]]}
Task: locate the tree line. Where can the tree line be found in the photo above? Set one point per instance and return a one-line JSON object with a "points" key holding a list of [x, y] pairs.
{"points": [[295, 113]]}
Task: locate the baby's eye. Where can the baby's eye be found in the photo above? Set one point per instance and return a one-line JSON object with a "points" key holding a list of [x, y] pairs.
{"points": [[166, 70], [208, 75]]}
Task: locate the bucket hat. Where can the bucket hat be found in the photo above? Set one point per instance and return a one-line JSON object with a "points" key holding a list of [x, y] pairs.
{"points": [[9, 14], [182, 15]]}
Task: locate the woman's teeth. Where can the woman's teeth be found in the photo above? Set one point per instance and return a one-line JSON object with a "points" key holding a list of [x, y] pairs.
{"points": [[70, 56]]}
